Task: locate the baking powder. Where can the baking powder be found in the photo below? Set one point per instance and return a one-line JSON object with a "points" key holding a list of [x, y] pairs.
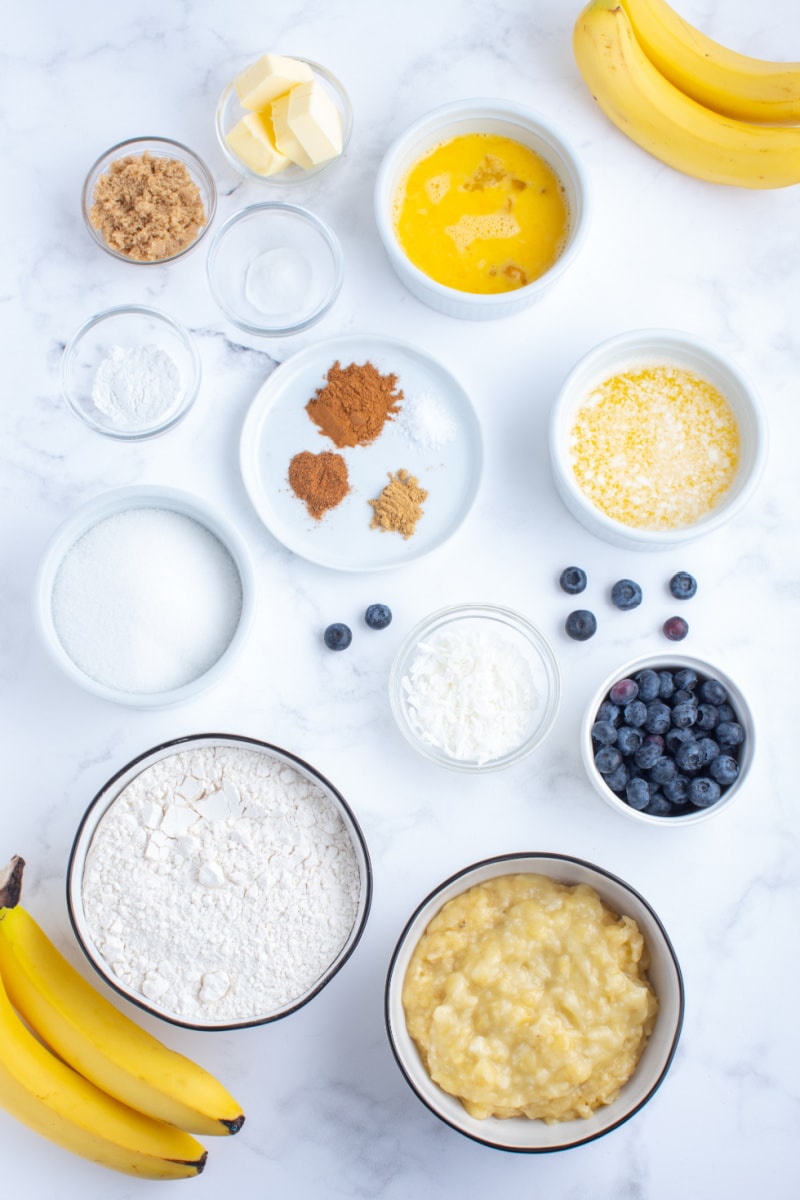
{"points": [[136, 386], [221, 884], [425, 421]]}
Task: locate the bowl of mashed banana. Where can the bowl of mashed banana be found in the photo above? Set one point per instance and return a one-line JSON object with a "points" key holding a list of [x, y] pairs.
{"points": [[534, 1002]]}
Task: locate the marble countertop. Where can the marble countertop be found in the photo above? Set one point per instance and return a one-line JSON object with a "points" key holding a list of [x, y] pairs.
{"points": [[328, 1113]]}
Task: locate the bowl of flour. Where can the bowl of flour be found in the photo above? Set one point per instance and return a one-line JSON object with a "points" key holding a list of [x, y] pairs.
{"points": [[131, 372], [218, 882], [145, 596]]}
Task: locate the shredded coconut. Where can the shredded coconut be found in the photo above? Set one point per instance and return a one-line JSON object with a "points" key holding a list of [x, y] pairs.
{"points": [[471, 694], [425, 421], [136, 386], [221, 884]]}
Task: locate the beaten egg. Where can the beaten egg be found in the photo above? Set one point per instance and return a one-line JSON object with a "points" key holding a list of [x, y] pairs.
{"points": [[482, 213]]}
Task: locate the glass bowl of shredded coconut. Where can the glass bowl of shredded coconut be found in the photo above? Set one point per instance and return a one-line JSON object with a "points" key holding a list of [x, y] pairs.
{"points": [[131, 372], [218, 882], [475, 687]]}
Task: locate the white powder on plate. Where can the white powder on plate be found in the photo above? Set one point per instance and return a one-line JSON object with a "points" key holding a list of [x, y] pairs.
{"points": [[136, 386], [470, 693], [221, 884], [146, 601], [425, 421]]}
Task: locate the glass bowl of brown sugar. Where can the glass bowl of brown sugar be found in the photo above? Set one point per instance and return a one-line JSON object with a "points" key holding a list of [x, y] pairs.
{"points": [[148, 200], [275, 269]]}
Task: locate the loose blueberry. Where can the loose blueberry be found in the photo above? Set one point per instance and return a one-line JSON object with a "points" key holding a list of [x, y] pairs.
{"points": [[659, 717], [703, 792], [712, 691], [637, 794], [635, 713], [338, 636], [581, 624], [729, 733], [675, 628], [607, 759], [624, 691], [649, 685], [685, 679], [572, 580], [724, 769], [604, 732], [626, 594], [378, 616], [684, 715], [629, 739], [683, 585]]}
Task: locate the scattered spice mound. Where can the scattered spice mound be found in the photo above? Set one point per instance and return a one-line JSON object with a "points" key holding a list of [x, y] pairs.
{"points": [[355, 403], [398, 508], [320, 480], [148, 208]]}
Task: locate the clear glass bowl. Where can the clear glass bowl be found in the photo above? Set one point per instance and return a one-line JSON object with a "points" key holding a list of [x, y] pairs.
{"points": [[156, 147], [275, 269], [129, 328], [230, 112], [520, 636]]}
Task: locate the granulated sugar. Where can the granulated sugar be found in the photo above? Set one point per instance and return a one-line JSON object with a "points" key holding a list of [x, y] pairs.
{"points": [[221, 884], [146, 601]]}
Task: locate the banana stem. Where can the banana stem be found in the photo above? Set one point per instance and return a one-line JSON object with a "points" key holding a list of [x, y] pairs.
{"points": [[11, 883]]}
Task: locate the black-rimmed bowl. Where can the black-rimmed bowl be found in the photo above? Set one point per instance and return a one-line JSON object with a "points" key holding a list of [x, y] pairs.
{"points": [[522, 1134], [88, 830]]}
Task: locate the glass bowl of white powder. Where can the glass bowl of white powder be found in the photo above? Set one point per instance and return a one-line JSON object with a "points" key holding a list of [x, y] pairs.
{"points": [[475, 687], [218, 882], [131, 372], [144, 596]]}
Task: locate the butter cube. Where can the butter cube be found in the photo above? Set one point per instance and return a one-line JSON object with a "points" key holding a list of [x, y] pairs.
{"points": [[285, 140], [271, 76], [253, 141], [315, 121]]}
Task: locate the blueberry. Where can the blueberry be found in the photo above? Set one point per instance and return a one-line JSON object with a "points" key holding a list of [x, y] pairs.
{"points": [[683, 585], [626, 594], [675, 628], [647, 755], [729, 733], [649, 685], [637, 794], [707, 717], [338, 636], [607, 759], [683, 696], [659, 717], [724, 769], [677, 790], [703, 792], [690, 757], [725, 712], [617, 780], [712, 691], [635, 713], [663, 771], [666, 685], [624, 691], [685, 679], [710, 749], [629, 739], [675, 737], [684, 715], [609, 712], [658, 806], [572, 580], [581, 624], [378, 616], [604, 732]]}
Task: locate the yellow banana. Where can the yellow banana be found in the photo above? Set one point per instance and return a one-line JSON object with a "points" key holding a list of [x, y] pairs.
{"points": [[98, 1040], [669, 125], [749, 89], [52, 1099]]}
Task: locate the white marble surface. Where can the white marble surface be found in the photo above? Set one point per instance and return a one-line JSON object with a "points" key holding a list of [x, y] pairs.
{"points": [[328, 1112]]}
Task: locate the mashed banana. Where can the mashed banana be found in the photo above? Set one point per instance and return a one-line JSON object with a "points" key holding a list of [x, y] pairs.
{"points": [[528, 997]]}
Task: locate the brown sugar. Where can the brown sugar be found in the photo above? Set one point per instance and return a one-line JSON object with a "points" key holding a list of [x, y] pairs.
{"points": [[399, 506], [147, 207], [320, 480], [354, 404]]}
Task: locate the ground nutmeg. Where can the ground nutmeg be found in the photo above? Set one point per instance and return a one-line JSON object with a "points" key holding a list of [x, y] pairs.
{"points": [[320, 480]]}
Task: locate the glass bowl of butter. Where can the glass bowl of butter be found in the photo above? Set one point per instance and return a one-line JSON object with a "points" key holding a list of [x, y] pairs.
{"points": [[283, 120]]}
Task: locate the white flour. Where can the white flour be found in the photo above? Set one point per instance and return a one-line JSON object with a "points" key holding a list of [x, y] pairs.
{"points": [[136, 386], [221, 884]]}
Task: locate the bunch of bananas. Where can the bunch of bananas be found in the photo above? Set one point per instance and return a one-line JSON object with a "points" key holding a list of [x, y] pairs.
{"points": [[75, 1069], [697, 106]]}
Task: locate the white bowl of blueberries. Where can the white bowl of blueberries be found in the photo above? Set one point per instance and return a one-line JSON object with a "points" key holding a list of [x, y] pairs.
{"points": [[668, 740]]}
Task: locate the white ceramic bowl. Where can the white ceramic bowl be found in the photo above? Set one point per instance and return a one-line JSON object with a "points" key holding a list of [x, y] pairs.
{"points": [[130, 327], [651, 347], [520, 1133], [521, 637], [478, 116], [275, 269], [110, 504], [230, 112], [745, 752], [156, 147], [104, 801]]}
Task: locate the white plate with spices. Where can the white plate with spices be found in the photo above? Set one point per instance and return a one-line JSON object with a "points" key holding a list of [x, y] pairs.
{"points": [[433, 434]]}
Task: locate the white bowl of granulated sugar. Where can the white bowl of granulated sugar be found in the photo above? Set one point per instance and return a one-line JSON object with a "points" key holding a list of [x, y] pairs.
{"points": [[218, 882]]}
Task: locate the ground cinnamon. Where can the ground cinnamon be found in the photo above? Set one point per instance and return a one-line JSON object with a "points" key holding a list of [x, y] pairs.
{"points": [[399, 506], [320, 480], [354, 404]]}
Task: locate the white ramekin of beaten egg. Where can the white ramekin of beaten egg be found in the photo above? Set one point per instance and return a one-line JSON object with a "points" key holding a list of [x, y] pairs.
{"points": [[478, 116]]}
